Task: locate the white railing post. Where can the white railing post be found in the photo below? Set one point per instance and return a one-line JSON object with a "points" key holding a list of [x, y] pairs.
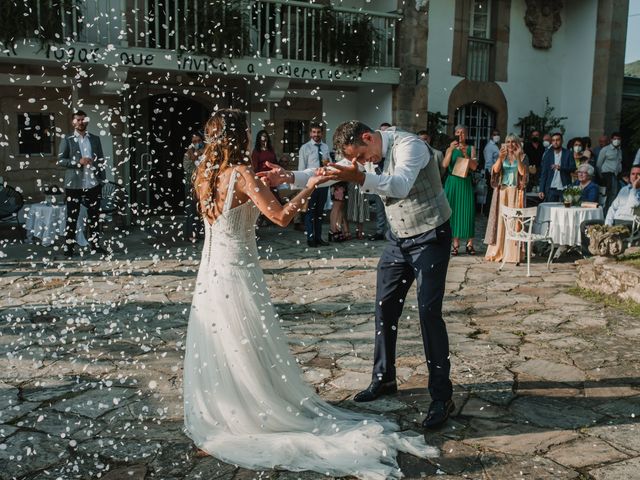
{"points": [[278, 32]]}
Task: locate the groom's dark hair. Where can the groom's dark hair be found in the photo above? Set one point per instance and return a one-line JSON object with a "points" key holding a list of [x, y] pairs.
{"points": [[349, 133]]}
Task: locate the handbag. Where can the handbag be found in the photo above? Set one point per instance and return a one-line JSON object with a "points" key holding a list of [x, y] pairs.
{"points": [[461, 168]]}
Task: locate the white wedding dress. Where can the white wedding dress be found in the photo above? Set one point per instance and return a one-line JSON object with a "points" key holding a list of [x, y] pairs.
{"points": [[245, 400]]}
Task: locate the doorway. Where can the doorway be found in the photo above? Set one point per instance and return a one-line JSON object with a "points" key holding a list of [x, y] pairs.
{"points": [[158, 182]]}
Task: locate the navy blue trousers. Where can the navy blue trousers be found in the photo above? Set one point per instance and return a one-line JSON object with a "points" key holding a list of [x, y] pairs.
{"points": [[423, 258], [315, 212]]}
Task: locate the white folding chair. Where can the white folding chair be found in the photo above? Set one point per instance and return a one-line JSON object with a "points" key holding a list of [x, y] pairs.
{"points": [[518, 224]]}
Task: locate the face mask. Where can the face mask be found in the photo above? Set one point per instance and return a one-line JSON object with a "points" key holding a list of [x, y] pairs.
{"points": [[577, 148], [495, 138], [546, 144], [535, 139], [616, 142]]}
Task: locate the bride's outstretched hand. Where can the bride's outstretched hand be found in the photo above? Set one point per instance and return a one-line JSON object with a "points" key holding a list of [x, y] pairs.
{"points": [[276, 175], [317, 180]]}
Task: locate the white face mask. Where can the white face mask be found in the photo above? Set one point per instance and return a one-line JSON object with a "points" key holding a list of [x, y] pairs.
{"points": [[496, 138], [546, 144], [577, 148], [615, 142]]}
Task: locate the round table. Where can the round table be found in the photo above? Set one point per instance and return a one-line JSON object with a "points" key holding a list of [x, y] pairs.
{"points": [[543, 215], [47, 222], [565, 223]]}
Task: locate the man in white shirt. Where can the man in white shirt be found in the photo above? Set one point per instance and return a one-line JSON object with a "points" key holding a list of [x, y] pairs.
{"points": [[314, 154], [622, 208], [491, 152], [609, 165], [81, 155], [418, 250]]}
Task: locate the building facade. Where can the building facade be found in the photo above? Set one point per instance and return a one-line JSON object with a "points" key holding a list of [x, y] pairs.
{"points": [[150, 72], [491, 62]]}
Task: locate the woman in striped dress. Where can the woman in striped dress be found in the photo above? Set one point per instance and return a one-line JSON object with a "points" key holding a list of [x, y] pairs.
{"points": [[459, 191]]}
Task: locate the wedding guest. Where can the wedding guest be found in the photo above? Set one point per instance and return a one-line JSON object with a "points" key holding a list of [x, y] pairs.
{"points": [[587, 153], [357, 209], [509, 180], [557, 167], [459, 190], [589, 188], [534, 150], [81, 155], [491, 153], [609, 165], [338, 223], [190, 162], [546, 142], [314, 154], [262, 152], [603, 141]]}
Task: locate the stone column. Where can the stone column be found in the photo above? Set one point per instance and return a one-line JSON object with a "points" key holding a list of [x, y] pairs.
{"points": [[410, 95], [608, 68]]}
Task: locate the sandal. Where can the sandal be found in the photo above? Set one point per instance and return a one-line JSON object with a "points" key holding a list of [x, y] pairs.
{"points": [[454, 251], [335, 237], [469, 249], [360, 235], [346, 237]]}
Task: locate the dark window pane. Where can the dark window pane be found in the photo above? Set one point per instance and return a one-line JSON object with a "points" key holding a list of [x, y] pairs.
{"points": [[35, 133]]}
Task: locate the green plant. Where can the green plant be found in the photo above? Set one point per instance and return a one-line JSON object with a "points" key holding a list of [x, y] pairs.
{"points": [[437, 126], [547, 123], [37, 19]]}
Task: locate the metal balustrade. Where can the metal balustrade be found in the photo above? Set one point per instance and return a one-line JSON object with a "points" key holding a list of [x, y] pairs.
{"points": [[479, 59], [281, 29]]}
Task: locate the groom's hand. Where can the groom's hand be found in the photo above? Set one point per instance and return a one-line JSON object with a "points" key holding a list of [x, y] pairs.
{"points": [[345, 173], [276, 175]]}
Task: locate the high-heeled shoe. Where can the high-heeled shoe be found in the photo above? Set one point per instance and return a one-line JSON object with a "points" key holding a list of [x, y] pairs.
{"points": [[454, 250], [469, 249]]}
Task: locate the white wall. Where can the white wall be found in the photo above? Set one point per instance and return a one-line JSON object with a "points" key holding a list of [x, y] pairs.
{"points": [[439, 51], [564, 73]]}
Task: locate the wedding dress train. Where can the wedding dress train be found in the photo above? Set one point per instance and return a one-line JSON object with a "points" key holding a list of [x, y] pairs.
{"points": [[244, 397]]}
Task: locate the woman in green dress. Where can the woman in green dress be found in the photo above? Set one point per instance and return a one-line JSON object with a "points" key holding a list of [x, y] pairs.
{"points": [[459, 191]]}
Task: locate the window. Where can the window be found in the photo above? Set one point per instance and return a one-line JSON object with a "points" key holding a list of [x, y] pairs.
{"points": [[35, 134], [480, 19], [480, 42]]}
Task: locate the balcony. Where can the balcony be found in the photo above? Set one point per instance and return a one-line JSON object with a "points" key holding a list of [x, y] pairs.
{"points": [[479, 59], [279, 29]]}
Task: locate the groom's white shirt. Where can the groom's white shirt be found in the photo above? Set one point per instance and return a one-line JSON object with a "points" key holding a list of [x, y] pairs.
{"points": [[410, 156]]}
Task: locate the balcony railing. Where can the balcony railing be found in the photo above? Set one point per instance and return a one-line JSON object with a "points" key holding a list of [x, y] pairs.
{"points": [[479, 59], [282, 29]]}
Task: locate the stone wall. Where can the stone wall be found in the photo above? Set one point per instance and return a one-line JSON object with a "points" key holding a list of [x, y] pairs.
{"points": [[608, 276]]}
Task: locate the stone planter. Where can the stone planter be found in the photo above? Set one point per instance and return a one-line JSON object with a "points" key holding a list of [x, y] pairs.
{"points": [[607, 241]]}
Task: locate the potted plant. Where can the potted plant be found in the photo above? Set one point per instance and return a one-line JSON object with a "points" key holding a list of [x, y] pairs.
{"points": [[571, 196]]}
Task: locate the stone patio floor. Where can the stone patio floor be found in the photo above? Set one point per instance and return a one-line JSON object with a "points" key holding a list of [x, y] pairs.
{"points": [[547, 385]]}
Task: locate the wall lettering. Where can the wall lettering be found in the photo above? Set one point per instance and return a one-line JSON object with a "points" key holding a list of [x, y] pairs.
{"points": [[137, 59], [72, 54]]}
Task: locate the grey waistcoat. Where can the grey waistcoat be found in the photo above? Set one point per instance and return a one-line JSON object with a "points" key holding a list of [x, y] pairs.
{"points": [[425, 207], [69, 157]]}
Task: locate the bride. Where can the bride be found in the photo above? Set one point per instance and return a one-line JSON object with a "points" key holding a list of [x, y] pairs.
{"points": [[244, 398]]}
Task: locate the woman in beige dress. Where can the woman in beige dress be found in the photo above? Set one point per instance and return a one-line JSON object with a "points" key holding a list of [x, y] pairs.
{"points": [[509, 180]]}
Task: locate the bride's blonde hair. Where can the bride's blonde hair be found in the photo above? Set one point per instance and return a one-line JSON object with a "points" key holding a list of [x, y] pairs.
{"points": [[226, 140]]}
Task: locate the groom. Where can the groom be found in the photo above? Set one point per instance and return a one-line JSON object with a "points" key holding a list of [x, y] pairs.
{"points": [[418, 249]]}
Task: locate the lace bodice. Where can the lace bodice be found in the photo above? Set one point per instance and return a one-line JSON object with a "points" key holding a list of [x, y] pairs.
{"points": [[231, 237]]}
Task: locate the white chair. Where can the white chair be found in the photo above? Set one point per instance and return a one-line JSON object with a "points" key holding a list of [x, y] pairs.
{"points": [[518, 224], [635, 227]]}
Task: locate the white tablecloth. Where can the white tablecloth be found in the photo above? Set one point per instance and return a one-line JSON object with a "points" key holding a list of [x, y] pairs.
{"points": [[47, 222], [565, 223], [543, 214]]}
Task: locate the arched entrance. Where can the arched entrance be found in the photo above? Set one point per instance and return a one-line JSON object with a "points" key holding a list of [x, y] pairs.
{"points": [[164, 127], [480, 120]]}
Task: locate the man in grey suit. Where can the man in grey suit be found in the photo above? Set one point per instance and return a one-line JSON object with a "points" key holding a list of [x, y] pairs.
{"points": [[81, 155]]}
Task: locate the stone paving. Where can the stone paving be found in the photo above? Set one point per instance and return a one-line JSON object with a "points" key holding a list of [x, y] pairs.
{"points": [[547, 385]]}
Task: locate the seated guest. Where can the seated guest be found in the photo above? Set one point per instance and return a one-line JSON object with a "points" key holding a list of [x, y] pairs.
{"points": [[589, 188], [621, 210]]}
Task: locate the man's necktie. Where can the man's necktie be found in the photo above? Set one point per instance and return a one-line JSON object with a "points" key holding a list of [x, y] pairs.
{"points": [[319, 153]]}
